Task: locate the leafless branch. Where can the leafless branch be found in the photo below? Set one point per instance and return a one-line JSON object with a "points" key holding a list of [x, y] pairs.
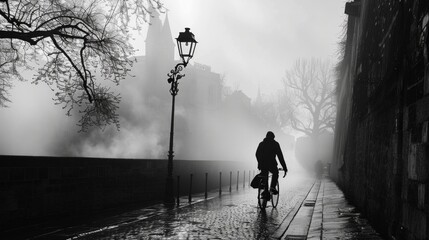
{"points": [[78, 40], [311, 84]]}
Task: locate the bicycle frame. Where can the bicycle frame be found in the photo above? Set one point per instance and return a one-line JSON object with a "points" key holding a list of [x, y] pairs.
{"points": [[262, 202]]}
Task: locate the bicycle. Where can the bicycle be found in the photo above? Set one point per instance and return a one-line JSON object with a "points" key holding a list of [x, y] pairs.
{"points": [[274, 198]]}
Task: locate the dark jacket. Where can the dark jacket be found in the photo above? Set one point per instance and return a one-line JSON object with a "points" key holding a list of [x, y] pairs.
{"points": [[267, 152]]}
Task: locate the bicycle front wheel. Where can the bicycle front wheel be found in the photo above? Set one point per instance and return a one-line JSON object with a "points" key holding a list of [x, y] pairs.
{"points": [[275, 198]]}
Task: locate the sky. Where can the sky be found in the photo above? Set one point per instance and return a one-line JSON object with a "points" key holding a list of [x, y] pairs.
{"points": [[251, 42]]}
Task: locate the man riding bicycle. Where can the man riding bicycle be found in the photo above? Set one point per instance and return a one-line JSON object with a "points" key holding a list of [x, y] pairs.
{"points": [[266, 154]]}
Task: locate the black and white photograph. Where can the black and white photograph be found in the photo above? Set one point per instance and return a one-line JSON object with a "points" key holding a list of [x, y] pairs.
{"points": [[214, 119]]}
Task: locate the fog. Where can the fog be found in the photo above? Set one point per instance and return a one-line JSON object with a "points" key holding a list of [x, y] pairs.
{"points": [[253, 42], [250, 43], [228, 130]]}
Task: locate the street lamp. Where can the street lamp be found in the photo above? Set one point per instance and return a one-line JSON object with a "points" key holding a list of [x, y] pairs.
{"points": [[186, 44]]}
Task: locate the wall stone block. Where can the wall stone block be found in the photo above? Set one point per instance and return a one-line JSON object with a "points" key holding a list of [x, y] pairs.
{"points": [[412, 162], [421, 196], [422, 113], [412, 115], [414, 221], [422, 162], [413, 194], [418, 162], [416, 134], [426, 79], [425, 132]]}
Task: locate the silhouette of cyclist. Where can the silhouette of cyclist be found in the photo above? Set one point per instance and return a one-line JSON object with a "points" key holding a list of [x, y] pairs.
{"points": [[266, 154]]}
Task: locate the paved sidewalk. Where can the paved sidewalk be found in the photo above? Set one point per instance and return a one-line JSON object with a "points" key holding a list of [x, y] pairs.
{"points": [[334, 218], [232, 216]]}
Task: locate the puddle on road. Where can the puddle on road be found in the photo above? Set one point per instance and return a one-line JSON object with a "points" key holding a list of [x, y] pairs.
{"points": [[194, 222], [230, 205]]}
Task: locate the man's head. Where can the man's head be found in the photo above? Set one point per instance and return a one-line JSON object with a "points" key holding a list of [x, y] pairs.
{"points": [[270, 135]]}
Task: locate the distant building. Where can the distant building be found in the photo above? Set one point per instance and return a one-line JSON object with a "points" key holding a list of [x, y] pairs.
{"points": [[237, 100], [211, 122], [200, 88]]}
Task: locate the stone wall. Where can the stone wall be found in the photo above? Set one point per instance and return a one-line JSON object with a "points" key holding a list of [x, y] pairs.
{"points": [[381, 143], [37, 188]]}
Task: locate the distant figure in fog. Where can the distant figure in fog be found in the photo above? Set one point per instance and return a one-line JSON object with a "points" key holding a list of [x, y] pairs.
{"points": [[266, 154], [319, 169]]}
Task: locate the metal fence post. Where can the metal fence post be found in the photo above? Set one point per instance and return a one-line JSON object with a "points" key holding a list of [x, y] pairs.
{"points": [[230, 180], [178, 191], [238, 175], [190, 190], [249, 179], [244, 178], [205, 192], [220, 183]]}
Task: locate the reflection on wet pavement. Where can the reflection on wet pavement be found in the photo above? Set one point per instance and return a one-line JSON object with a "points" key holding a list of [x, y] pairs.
{"points": [[231, 216], [340, 219]]}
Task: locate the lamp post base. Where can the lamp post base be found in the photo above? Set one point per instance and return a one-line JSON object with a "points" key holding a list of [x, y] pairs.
{"points": [[169, 195]]}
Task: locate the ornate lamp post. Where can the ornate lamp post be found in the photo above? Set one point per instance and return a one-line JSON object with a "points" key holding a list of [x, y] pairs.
{"points": [[186, 44]]}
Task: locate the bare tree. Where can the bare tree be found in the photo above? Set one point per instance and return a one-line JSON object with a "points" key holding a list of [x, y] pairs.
{"points": [[309, 105], [8, 70], [77, 42]]}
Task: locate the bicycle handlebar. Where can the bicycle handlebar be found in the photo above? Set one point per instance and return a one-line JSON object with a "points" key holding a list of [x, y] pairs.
{"points": [[285, 172]]}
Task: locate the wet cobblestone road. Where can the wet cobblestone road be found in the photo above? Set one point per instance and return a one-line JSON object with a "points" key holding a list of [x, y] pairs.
{"points": [[232, 216]]}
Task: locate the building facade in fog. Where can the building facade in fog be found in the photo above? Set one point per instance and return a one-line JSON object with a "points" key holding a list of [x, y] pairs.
{"points": [[208, 123], [200, 88], [381, 144]]}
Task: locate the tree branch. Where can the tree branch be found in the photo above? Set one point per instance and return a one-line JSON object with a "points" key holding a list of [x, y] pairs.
{"points": [[311, 85], [85, 86]]}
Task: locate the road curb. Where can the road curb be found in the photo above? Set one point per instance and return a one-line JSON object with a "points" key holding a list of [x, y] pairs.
{"points": [[315, 231], [297, 223]]}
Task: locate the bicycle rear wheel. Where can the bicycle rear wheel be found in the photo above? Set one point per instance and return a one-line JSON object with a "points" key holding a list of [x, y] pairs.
{"points": [[275, 198], [262, 203]]}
